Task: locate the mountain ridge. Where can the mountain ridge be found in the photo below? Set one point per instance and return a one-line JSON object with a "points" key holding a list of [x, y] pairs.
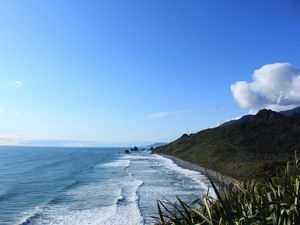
{"points": [[254, 146], [290, 112]]}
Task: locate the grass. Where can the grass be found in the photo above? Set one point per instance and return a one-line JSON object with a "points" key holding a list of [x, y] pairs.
{"points": [[272, 201]]}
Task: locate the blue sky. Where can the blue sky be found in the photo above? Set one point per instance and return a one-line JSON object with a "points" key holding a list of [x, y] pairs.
{"points": [[132, 72]]}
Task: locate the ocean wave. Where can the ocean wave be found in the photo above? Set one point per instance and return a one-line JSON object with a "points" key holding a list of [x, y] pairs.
{"points": [[46, 166], [6, 194], [172, 166], [30, 216], [125, 163], [130, 189], [71, 185], [110, 215], [201, 179], [123, 191], [82, 205], [126, 211], [139, 156]]}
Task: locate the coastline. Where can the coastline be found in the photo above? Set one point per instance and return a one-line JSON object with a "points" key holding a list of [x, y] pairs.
{"points": [[214, 175]]}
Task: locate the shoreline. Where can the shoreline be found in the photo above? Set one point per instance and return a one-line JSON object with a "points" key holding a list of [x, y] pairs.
{"points": [[214, 175]]}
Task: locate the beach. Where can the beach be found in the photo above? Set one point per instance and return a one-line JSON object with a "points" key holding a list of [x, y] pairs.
{"points": [[214, 175], [90, 185]]}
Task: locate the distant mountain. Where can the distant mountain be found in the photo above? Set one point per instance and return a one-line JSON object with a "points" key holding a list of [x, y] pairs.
{"points": [[155, 145], [295, 111], [249, 147]]}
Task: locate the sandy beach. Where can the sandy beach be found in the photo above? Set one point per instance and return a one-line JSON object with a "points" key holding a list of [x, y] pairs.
{"points": [[215, 176]]}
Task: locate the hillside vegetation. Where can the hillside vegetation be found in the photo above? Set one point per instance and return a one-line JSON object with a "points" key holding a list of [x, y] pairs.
{"points": [[251, 147], [272, 201]]}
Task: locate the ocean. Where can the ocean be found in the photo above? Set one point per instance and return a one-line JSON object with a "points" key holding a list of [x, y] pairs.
{"points": [[40, 185]]}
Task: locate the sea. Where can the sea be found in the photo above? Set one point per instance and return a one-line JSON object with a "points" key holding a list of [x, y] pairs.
{"points": [[80, 186]]}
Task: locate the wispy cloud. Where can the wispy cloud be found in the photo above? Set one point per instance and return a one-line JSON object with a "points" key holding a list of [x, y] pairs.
{"points": [[15, 84], [8, 139], [167, 114]]}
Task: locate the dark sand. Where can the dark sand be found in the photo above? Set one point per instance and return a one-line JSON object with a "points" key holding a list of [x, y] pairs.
{"points": [[215, 176]]}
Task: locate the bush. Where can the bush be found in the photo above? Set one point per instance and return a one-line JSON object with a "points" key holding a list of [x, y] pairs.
{"points": [[274, 200]]}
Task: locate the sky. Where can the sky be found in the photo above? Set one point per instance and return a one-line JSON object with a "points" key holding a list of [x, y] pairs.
{"points": [[118, 73]]}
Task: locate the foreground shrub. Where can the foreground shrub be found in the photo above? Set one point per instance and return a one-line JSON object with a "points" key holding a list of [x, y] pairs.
{"points": [[274, 200]]}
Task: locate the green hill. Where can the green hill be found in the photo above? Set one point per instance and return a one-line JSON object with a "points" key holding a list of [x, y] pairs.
{"points": [[251, 147]]}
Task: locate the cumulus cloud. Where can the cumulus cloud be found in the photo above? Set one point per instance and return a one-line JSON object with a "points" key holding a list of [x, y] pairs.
{"points": [[274, 86], [166, 114], [16, 84]]}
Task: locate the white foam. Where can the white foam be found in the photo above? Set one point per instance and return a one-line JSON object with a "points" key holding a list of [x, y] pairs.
{"points": [[137, 157], [195, 175], [128, 212], [117, 163], [88, 208], [114, 201], [25, 216], [124, 213], [111, 215], [171, 165]]}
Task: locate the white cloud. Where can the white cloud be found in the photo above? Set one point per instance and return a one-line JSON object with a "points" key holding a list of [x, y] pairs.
{"points": [[166, 114], [15, 84], [274, 86]]}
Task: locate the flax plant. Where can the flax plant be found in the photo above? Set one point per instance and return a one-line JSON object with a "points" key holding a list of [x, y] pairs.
{"points": [[272, 201]]}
